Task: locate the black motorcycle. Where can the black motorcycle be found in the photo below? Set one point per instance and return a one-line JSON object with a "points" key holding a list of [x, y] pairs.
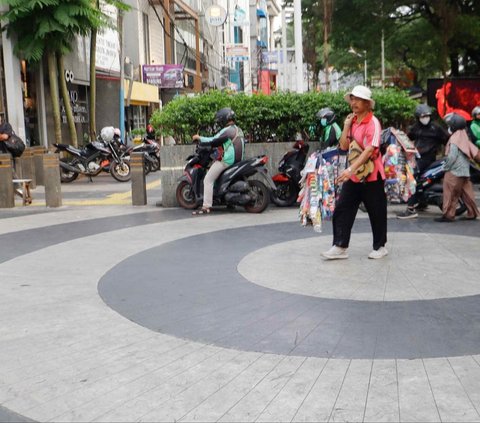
{"points": [[91, 160], [430, 188], [287, 181], [151, 151], [232, 188]]}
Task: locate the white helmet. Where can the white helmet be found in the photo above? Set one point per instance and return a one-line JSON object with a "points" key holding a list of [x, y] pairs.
{"points": [[107, 133]]}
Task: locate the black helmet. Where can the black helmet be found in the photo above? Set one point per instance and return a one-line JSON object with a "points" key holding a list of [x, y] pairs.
{"points": [[455, 122], [423, 110], [475, 112], [223, 116], [326, 113]]}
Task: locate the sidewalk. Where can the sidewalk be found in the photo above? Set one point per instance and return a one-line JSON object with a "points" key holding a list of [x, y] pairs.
{"points": [[119, 313]]}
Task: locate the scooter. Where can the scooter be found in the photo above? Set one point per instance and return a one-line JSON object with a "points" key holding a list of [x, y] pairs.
{"points": [[287, 180], [232, 188]]}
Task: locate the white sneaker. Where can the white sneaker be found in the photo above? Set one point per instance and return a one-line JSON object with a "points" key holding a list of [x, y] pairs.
{"points": [[335, 253], [377, 254]]}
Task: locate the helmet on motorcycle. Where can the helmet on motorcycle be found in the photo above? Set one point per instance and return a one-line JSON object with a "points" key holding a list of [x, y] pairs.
{"points": [[117, 132], [326, 115], [107, 133], [476, 112], [223, 116], [423, 110], [455, 122]]}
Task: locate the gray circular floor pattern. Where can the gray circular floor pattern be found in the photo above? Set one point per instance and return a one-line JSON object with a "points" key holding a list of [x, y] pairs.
{"points": [[191, 288]]}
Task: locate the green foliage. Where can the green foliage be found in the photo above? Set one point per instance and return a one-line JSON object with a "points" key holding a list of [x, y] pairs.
{"points": [[270, 118], [41, 26]]}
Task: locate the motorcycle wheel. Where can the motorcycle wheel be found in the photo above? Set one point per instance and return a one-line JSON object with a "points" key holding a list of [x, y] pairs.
{"points": [[67, 176], [154, 163], [120, 171], [262, 197], [461, 207], [286, 193], [147, 167], [185, 196]]}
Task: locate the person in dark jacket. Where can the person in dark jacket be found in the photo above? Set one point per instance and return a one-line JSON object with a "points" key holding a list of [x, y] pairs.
{"points": [[231, 145], [428, 137]]}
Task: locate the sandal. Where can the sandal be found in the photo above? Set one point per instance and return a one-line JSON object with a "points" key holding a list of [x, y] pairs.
{"points": [[203, 210]]}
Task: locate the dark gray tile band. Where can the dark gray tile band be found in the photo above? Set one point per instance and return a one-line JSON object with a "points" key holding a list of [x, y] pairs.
{"points": [[190, 288]]}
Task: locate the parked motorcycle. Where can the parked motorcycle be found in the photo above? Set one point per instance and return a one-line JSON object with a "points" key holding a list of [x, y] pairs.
{"points": [[95, 157], [232, 188], [151, 150], [430, 188], [287, 181]]}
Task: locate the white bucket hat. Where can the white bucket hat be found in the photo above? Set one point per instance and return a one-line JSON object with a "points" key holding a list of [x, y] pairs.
{"points": [[361, 92]]}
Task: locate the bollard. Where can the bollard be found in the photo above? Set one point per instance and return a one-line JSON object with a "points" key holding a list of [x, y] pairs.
{"points": [[51, 175], [25, 167], [139, 188], [38, 153], [7, 196]]}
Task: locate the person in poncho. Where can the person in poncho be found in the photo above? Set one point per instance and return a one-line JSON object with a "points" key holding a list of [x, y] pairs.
{"points": [[456, 182]]}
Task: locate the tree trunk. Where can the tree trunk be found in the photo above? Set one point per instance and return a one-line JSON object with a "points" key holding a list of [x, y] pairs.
{"points": [[93, 84], [66, 102], [52, 77]]}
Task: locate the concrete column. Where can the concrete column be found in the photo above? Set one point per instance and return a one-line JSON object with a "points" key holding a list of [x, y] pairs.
{"points": [[51, 175], [38, 153], [13, 87], [139, 188], [7, 196]]}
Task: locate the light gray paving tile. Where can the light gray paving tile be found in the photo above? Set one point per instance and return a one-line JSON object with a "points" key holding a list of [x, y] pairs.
{"points": [[467, 370], [220, 402], [251, 406], [166, 387], [350, 404], [197, 393], [284, 406], [415, 396], [382, 399], [320, 401], [452, 401], [63, 405]]}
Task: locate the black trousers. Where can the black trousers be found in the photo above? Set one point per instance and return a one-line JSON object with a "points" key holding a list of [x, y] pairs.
{"points": [[372, 194]]}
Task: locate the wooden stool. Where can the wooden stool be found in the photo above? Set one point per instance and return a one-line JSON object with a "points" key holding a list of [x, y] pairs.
{"points": [[25, 191]]}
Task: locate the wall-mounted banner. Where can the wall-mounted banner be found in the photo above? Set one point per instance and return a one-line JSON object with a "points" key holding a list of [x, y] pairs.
{"points": [[163, 76], [108, 43]]}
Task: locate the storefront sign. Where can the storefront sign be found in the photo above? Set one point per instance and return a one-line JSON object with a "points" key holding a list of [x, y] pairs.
{"points": [[236, 50], [163, 76], [215, 15], [78, 101]]}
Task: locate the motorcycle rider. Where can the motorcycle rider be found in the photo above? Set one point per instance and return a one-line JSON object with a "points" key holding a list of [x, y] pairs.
{"points": [[231, 145], [331, 131], [475, 126], [428, 137], [150, 132]]}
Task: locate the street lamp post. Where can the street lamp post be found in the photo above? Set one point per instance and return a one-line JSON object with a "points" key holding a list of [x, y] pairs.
{"points": [[364, 55]]}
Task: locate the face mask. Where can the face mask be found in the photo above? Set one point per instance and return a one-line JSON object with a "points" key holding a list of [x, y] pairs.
{"points": [[323, 122], [425, 120]]}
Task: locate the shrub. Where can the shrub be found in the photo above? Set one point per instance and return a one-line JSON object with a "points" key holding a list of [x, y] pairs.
{"points": [[270, 118]]}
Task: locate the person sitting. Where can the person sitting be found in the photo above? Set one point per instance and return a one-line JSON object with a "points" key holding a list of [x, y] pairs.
{"points": [[331, 131], [475, 126], [428, 137], [231, 146]]}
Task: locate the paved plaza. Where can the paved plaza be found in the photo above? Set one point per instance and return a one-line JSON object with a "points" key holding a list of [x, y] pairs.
{"points": [[121, 313]]}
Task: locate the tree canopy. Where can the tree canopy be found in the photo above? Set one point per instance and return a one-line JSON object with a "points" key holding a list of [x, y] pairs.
{"points": [[422, 38]]}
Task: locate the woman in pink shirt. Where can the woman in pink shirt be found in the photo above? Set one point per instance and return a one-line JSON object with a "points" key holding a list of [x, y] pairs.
{"points": [[364, 128]]}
